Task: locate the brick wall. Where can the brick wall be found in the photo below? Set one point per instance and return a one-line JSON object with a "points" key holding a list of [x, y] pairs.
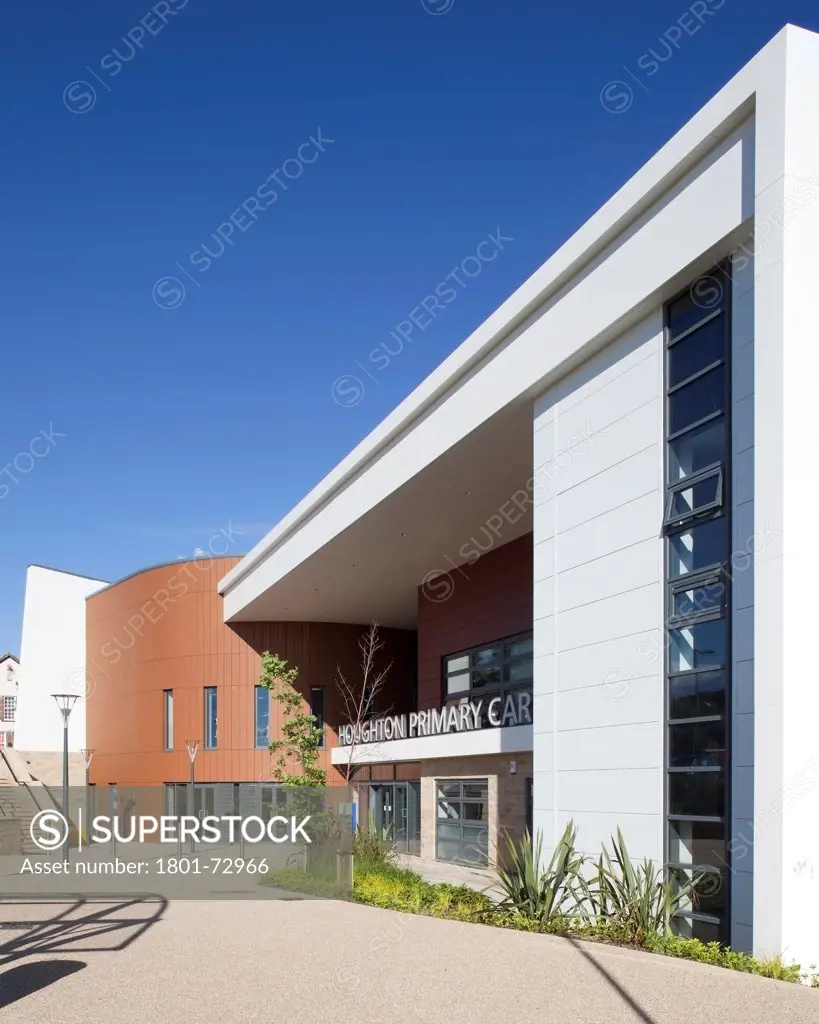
{"points": [[489, 600]]}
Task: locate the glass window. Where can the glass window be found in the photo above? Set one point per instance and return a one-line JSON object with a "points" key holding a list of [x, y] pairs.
{"points": [[448, 808], [696, 794], [168, 718], [694, 497], [692, 928], [9, 708], [696, 694], [484, 678], [449, 789], [211, 718], [518, 671], [695, 401], [698, 539], [461, 831], [317, 710], [708, 895], [697, 350], [446, 831], [460, 664], [699, 597], [262, 717], [488, 671], [697, 745], [696, 449], [519, 648], [683, 313], [476, 790], [473, 811], [700, 843], [698, 547], [457, 684], [485, 656], [698, 646]]}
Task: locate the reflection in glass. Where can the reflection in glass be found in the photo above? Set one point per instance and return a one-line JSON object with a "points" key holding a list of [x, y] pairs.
{"points": [[698, 350], [703, 597], [698, 547], [696, 745], [262, 716], [517, 648], [697, 842], [695, 401], [696, 450], [697, 647], [697, 794], [696, 694], [696, 497]]}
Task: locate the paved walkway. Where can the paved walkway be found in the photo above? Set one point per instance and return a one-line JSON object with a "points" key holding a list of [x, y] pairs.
{"points": [[454, 874], [295, 961]]}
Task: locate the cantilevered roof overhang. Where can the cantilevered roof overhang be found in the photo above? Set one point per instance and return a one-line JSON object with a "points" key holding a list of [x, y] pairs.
{"points": [[409, 497]]}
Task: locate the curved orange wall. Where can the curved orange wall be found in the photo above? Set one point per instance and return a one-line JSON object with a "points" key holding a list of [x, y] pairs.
{"points": [[162, 629]]}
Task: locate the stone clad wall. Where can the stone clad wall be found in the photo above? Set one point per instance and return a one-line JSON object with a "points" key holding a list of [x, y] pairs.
{"points": [[507, 796]]}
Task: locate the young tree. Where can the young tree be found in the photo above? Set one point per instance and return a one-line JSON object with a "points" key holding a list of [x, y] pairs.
{"points": [[360, 696], [297, 751]]}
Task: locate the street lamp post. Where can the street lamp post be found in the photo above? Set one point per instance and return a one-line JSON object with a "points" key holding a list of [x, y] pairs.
{"points": [[65, 702], [193, 750], [87, 757]]}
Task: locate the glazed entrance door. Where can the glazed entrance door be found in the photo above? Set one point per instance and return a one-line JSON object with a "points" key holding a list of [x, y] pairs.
{"points": [[401, 823], [395, 807]]}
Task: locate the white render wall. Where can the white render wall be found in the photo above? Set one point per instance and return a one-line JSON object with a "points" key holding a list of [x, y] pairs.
{"points": [[598, 601], [786, 433], [52, 658]]}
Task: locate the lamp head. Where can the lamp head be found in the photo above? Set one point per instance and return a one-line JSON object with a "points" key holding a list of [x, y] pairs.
{"points": [[65, 702]]}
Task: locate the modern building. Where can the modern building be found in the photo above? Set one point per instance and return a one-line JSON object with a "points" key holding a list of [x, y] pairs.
{"points": [[596, 517], [9, 685], [167, 671], [52, 658]]}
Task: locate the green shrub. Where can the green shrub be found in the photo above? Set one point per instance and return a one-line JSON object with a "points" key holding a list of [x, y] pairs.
{"points": [[723, 956], [618, 902], [638, 900], [395, 888], [373, 847], [298, 880], [531, 891]]}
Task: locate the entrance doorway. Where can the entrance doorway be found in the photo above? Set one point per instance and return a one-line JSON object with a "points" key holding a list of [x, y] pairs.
{"points": [[395, 808]]}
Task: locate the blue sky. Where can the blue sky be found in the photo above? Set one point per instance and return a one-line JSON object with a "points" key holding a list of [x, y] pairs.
{"points": [[142, 415]]}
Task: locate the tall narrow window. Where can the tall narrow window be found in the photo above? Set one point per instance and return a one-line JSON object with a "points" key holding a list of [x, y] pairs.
{"points": [[317, 709], [262, 717], [9, 708], [211, 718], [167, 696], [698, 550]]}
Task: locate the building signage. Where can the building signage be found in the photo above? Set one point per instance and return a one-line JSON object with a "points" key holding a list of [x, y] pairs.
{"points": [[510, 709]]}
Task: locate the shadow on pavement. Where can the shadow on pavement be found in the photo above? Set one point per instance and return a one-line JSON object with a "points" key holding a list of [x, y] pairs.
{"points": [[21, 981], [71, 924], [629, 1000]]}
